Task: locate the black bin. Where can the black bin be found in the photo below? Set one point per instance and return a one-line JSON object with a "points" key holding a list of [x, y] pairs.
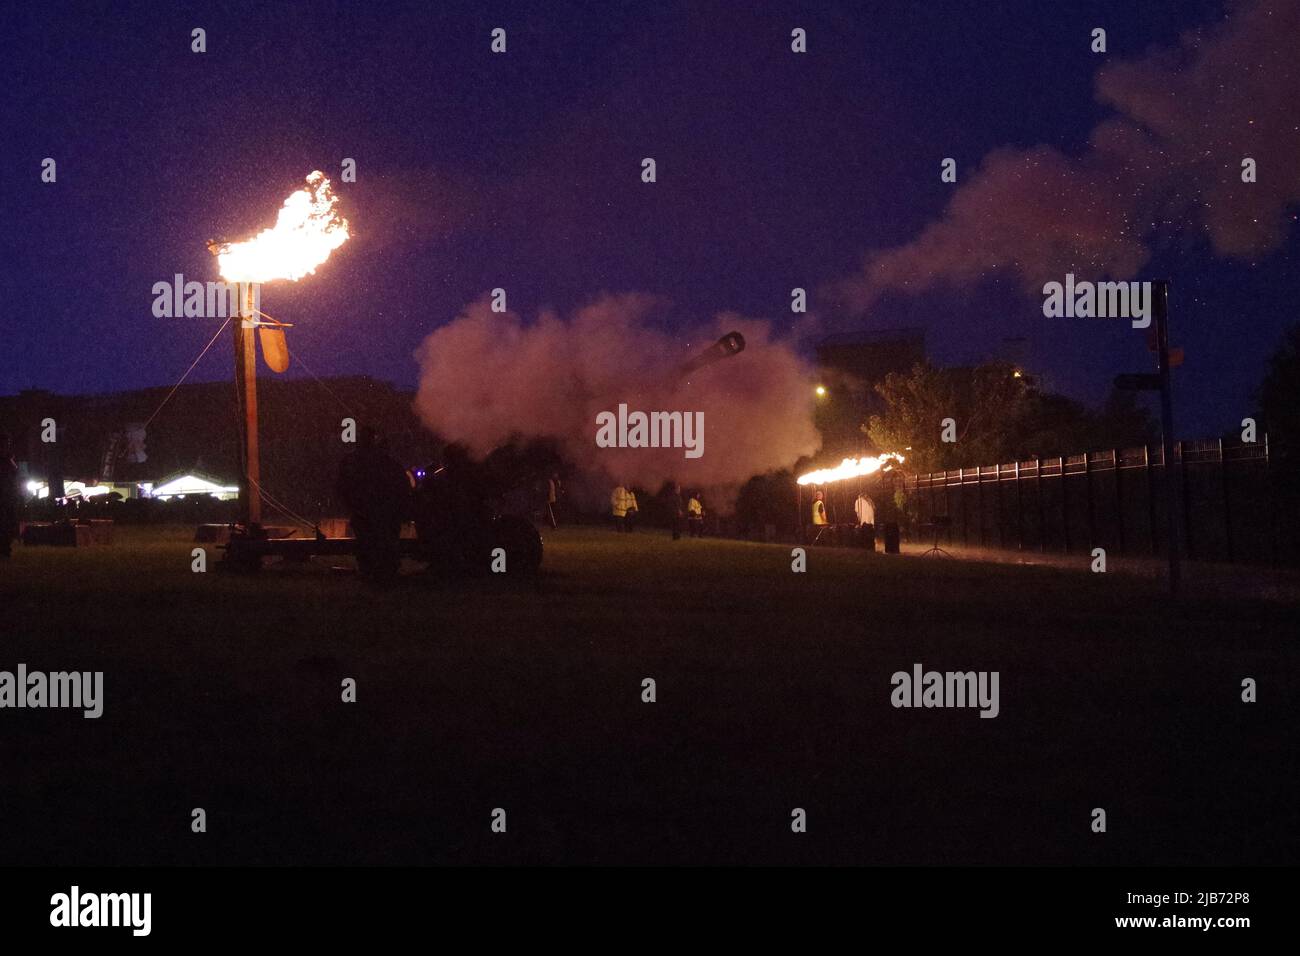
{"points": [[891, 538], [867, 537]]}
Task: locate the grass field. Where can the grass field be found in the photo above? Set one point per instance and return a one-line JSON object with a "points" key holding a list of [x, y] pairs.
{"points": [[773, 692]]}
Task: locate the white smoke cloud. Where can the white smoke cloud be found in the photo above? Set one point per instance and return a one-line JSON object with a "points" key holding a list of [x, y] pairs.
{"points": [[486, 377], [1167, 165]]}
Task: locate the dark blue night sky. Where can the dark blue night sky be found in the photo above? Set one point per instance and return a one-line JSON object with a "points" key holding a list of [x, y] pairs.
{"points": [[522, 171]]}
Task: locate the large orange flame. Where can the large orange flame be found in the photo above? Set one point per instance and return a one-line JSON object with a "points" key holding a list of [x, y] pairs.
{"points": [[849, 468], [306, 231]]}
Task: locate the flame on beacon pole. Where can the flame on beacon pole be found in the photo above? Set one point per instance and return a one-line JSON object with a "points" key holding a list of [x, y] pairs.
{"points": [[307, 229], [849, 468]]}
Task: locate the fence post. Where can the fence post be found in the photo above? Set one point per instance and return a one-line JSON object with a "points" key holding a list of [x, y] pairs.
{"points": [[1151, 498], [961, 483], [1065, 511], [929, 481], [1187, 502], [1227, 501], [916, 511], [1119, 501], [947, 508], [1272, 501], [997, 509], [1042, 511], [1020, 514], [1087, 488]]}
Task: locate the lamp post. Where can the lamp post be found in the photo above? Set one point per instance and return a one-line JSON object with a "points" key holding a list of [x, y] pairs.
{"points": [[1160, 289], [1159, 381]]}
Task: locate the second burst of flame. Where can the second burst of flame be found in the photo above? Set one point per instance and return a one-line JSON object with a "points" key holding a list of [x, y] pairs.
{"points": [[849, 468], [306, 231]]}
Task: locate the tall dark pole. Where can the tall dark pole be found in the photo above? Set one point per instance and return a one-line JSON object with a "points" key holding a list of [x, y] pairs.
{"points": [[1160, 308]]}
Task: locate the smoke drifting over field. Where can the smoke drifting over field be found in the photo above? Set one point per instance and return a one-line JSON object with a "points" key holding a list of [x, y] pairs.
{"points": [[1167, 165], [487, 377]]}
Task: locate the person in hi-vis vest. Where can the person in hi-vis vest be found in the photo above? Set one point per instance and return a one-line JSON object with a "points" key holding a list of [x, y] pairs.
{"points": [[819, 511], [695, 515], [618, 506]]}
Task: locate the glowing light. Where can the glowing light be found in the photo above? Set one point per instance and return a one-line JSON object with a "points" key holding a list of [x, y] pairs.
{"points": [[193, 485], [821, 391], [71, 489], [849, 468], [307, 229]]}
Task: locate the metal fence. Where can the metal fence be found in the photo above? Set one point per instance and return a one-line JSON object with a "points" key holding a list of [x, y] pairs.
{"points": [[1109, 499]]}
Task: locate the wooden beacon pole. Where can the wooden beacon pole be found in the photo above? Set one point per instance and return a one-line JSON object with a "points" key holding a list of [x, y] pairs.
{"points": [[250, 498]]}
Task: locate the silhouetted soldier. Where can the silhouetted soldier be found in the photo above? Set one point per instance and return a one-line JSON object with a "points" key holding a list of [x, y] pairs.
{"points": [[455, 511], [8, 497], [376, 491], [633, 513], [462, 496], [677, 508], [553, 491]]}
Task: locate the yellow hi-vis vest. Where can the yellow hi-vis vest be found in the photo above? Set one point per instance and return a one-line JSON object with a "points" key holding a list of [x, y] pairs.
{"points": [[694, 508], [618, 501], [819, 512]]}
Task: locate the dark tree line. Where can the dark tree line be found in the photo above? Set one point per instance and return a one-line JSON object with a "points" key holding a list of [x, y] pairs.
{"points": [[996, 414]]}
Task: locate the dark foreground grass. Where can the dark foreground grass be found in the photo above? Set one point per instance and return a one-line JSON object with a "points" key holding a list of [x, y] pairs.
{"points": [[223, 692]]}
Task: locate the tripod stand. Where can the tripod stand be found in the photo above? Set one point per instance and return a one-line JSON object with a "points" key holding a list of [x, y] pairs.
{"points": [[938, 523]]}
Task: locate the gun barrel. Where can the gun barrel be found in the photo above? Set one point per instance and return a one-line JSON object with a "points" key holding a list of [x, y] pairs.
{"points": [[730, 344]]}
